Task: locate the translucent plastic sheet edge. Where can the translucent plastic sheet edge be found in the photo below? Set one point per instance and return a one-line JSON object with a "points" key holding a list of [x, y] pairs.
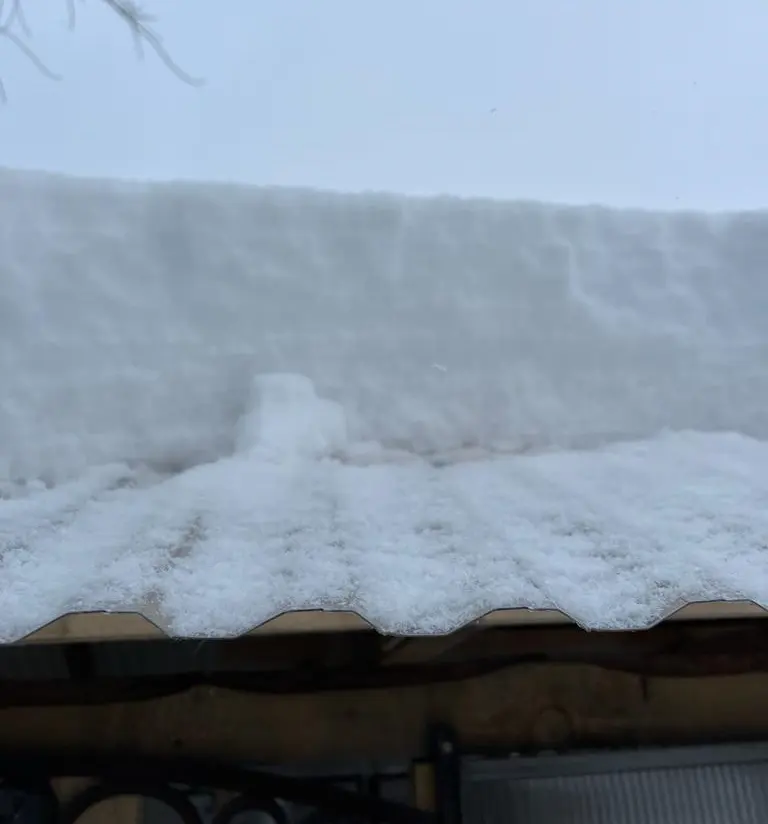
{"points": [[102, 626]]}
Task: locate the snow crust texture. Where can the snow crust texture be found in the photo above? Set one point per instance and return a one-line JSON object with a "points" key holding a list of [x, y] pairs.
{"points": [[219, 403]]}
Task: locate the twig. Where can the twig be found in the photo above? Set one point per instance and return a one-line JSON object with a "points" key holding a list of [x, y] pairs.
{"points": [[29, 54], [71, 15], [137, 20], [16, 17], [129, 11]]}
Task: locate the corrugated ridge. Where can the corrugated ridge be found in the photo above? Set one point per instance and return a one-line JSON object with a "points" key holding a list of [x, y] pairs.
{"points": [[708, 794], [100, 626]]}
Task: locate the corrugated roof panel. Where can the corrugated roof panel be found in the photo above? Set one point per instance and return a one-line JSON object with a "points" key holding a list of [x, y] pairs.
{"points": [[130, 626]]}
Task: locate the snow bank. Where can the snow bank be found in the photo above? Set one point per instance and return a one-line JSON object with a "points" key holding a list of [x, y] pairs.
{"points": [[219, 403], [133, 319]]}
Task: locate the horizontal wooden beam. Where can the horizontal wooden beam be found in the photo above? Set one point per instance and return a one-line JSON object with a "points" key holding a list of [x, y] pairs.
{"points": [[532, 706]]}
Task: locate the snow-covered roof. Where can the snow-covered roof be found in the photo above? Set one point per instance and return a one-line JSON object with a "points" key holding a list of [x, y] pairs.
{"points": [[220, 403]]}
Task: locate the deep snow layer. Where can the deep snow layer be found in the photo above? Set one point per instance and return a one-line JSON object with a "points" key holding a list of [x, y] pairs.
{"points": [[219, 403], [134, 317]]}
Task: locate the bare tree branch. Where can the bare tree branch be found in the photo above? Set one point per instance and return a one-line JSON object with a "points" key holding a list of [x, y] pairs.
{"points": [[16, 18], [138, 21], [71, 14], [14, 28]]}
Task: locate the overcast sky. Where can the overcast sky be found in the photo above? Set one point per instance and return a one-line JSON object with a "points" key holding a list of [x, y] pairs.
{"points": [[652, 102]]}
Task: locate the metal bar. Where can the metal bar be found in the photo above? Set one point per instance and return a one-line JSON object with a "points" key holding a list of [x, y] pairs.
{"points": [[447, 765]]}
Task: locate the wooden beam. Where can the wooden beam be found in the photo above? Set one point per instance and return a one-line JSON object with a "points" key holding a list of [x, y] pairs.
{"points": [[533, 706], [423, 784], [403, 651]]}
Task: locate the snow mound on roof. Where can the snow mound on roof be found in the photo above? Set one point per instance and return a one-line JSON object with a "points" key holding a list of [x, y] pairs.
{"points": [[287, 421], [220, 403]]}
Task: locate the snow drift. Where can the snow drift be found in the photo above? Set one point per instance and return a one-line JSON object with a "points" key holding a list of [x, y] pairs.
{"points": [[220, 402]]}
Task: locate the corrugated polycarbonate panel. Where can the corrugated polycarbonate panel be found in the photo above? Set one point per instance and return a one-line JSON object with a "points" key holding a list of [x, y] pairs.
{"points": [[691, 786]]}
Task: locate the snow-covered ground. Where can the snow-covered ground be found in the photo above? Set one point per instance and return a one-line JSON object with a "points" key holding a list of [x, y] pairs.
{"points": [[219, 403]]}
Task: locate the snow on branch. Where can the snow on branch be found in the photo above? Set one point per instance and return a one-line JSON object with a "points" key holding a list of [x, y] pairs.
{"points": [[15, 29]]}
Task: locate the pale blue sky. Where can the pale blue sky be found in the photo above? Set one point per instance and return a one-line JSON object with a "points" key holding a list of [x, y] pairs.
{"points": [[653, 103]]}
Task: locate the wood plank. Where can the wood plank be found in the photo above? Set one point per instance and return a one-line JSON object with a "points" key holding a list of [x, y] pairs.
{"points": [[537, 705], [423, 784]]}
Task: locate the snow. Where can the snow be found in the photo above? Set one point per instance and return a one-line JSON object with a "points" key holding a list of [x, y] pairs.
{"points": [[218, 403], [287, 421]]}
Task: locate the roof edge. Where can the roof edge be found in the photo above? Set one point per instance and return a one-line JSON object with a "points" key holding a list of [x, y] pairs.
{"points": [[84, 627]]}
